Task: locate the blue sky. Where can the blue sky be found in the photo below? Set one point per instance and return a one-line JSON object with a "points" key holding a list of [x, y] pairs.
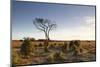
{"points": [[73, 21]]}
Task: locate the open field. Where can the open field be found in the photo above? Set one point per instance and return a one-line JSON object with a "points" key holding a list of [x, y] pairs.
{"points": [[56, 54]]}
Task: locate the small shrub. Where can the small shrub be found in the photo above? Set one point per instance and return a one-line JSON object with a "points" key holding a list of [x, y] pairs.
{"points": [[71, 45], [77, 43], [21, 40], [58, 58], [40, 45], [64, 47], [75, 50], [26, 47], [55, 44], [32, 39], [15, 57], [51, 46]]}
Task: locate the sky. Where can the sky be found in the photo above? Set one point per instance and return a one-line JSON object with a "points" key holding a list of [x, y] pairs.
{"points": [[73, 21]]}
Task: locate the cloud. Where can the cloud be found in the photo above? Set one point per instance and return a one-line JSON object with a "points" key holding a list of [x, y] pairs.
{"points": [[85, 31], [90, 21], [87, 28], [89, 24]]}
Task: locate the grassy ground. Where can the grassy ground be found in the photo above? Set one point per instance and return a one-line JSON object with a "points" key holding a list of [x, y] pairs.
{"points": [[55, 55]]}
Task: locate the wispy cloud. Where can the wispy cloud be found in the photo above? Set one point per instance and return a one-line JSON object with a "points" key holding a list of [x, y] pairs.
{"points": [[86, 30]]}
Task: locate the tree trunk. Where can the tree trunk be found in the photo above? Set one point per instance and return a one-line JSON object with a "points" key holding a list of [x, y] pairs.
{"points": [[46, 42]]}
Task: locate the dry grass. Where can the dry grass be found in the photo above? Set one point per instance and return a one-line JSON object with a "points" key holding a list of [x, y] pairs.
{"points": [[88, 54]]}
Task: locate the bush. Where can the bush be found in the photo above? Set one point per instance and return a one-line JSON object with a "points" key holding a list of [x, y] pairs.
{"points": [[40, 45], [64, 47], [13, 65], [32, 39], [15, 57], [71, 45], [58, 58], [75, 50], [21, 40], [51, 46], [26, 47], [77, 43], [55, 44]]}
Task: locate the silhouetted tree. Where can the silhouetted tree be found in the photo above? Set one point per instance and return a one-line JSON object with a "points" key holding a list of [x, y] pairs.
{"points": [[45, 26]]}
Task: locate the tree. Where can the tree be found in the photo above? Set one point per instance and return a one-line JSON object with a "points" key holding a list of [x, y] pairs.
{"points": [[45, 26], [26, 47]]}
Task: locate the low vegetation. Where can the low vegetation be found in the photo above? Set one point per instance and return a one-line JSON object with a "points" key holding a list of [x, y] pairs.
{"points": [[72, 51]]}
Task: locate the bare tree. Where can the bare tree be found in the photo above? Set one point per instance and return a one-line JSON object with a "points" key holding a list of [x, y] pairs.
{"points": [[44, 25]]}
